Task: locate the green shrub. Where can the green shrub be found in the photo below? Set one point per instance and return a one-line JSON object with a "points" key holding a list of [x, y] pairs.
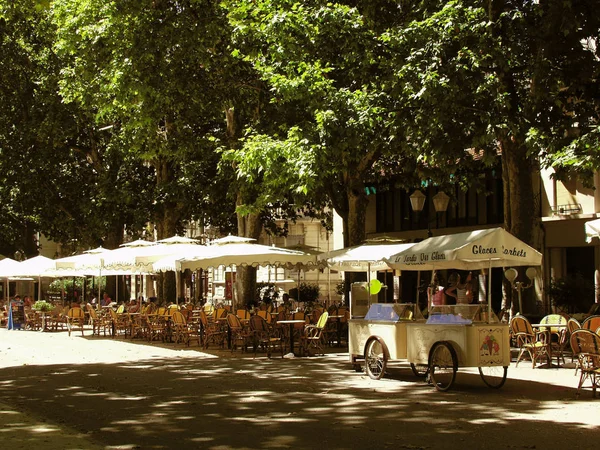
{"points": [[573, 293], [42, 306]]}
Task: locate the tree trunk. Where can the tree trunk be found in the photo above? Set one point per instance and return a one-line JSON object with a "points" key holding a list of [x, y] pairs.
{"points": [[245, 284], [354, 227], [114, 238], [166, 219], [519, 218]]}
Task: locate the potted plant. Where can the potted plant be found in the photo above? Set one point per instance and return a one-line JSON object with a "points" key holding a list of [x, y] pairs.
{"points": [[42, 306]]}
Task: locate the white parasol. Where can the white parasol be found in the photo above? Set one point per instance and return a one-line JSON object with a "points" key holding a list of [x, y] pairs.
{"points": [[592, 230], [362, 258], [248, 254], [481, 249]]}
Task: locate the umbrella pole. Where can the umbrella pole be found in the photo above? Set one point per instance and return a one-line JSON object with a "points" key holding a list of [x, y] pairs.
{"points": [[419, 285], [490, 292], [328, 286]]}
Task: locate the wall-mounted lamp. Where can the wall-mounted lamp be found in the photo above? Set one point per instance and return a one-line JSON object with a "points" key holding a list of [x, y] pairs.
{"points": [[440, 204]]}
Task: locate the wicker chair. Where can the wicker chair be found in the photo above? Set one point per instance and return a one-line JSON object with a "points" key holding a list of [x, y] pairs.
{"points": [[211, 331], [559, 336], [239, 334], [586, 346], [592, 323], [536, 344], [183, 331], [98, 322], [313, 337], [264, 336], [75, 318]]}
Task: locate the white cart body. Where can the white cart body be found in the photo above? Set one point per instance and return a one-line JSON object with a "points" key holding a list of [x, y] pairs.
{"points": [[387, 321], [476, 345]]}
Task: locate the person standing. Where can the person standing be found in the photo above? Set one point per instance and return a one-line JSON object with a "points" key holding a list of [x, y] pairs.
{"points": [[436, 292]]}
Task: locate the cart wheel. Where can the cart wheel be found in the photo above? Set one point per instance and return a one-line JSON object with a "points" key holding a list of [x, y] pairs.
{"points": [[493, 376], [443, 365], [420, 370], [376, 356]]}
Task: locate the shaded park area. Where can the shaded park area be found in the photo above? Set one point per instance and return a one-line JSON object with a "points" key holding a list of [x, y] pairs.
{"points": [[119, 394]]}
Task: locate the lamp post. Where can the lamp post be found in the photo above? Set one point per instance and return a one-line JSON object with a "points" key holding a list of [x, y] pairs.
{"points": [[440, 203], [512, 274]]}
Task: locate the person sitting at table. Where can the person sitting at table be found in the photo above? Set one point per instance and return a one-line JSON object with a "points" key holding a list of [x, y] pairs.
{"points": [[3, 314], [133, 306], [106, 300], [27, 302]]}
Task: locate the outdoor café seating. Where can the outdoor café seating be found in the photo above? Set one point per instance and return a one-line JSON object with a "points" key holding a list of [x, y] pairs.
{"points": [[557, 335], [98, 321], [586, 346], [75, 318], [183, 331], [535, 343], [313, 338], [240, 335], [591, 323], [264, 337], [211, 331], [120, 323], [157, 325]]}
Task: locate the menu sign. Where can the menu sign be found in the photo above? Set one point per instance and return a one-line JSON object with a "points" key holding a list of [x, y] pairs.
{"points": [[16, 316]]}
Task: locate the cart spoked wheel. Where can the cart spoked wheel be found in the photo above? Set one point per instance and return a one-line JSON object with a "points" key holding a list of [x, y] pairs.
{"points": [[420, 370], [493, 376], [376, 357], [443, 365]]}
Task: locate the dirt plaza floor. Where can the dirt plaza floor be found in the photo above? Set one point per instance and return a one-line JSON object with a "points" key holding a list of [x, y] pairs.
{"points": [[73, 392]]}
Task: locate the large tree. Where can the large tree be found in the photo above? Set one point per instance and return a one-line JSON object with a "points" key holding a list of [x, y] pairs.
{"points": [[59, 175], [518, 78], [322, 63], [155, 72]]}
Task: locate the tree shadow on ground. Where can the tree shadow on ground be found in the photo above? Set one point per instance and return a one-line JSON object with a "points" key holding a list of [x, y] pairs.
{"points": [[198, 402]]}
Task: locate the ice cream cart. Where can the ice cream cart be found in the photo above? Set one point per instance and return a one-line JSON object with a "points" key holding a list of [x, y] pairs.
{"points": [[464, 335], [453, 336]]}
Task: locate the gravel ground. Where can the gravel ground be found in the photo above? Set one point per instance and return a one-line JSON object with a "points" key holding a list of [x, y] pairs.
{"points": [[61, 392]]}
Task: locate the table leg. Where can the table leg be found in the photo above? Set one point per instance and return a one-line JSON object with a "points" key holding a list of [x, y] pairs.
{"points": [[291, 338]]}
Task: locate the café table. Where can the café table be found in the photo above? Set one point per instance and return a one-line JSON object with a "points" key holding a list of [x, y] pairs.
{"points": [[291, 323], [541, 327]]}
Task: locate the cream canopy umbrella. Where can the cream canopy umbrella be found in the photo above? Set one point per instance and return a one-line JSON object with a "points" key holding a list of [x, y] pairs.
{"points": [[240, 252], [481, 249], [140, 258], [365, 257], [7, 266], [248, 254], [592, 230], [35, 267], [122, 260]]}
